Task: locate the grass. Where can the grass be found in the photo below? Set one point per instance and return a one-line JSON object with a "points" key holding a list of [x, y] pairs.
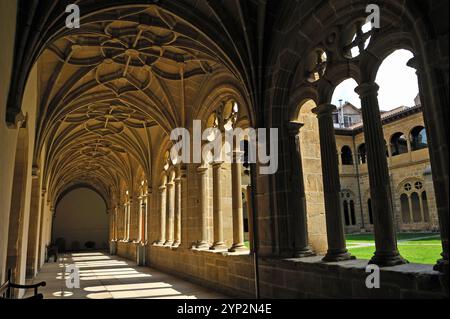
{"points": [[420, 248]]}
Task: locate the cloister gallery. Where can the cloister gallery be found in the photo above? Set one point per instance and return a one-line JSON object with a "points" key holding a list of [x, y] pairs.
{"points": [[94, 108]]}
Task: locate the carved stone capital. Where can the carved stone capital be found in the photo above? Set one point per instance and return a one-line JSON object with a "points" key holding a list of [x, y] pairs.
{"points": [[324, 110], [367, 89]]}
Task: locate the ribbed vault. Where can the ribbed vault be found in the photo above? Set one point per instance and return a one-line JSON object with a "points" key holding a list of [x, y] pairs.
{"points": [[115, 87]]}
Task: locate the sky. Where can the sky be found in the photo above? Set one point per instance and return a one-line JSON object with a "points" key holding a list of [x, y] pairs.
{"points": [[398, 84]]}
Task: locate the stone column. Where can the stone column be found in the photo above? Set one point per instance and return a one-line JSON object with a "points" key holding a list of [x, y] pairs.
{"points": [[238, 215], [134, 214], [41, 248], [147, 197], [203, 182], [162, 215], [184, 211], [439, 165], [124, 222], [170, 214], [177, 221], [299, 215], [219, 243], [386, 253], [337, 250], [143, 220], [35, 220], [116, 223]]}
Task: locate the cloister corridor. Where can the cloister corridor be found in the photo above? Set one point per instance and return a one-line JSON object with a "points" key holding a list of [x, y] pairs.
{"points": [[111, 277], [193, 148]]}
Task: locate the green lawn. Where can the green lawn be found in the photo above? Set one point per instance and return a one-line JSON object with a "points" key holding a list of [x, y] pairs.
{"points": [[413, 246]]}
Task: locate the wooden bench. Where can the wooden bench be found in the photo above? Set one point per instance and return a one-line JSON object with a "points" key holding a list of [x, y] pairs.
{"points": [[6, 289]]}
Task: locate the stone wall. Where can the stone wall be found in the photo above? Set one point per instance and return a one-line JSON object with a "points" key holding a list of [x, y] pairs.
{"points": [[127, 250], [309, 278], [294, 278]]}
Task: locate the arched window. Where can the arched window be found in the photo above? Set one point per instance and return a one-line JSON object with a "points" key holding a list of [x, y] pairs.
{"points": [[346, 156], [346, 214], [426, 211], [362, 157], [352, 212], [348, 205], [413, 202], [418, 138], [404, 203], [399, 144], [369, 206], [415, 206]]}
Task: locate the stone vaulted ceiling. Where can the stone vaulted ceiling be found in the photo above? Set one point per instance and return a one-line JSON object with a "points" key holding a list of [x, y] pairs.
{"points": [[112, 88]]}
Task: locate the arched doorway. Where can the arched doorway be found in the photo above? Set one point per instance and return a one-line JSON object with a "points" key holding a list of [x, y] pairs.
{"points": [[81, 222]]}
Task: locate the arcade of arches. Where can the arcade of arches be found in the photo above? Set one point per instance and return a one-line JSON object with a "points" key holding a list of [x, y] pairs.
{"points": [[94, 107]]}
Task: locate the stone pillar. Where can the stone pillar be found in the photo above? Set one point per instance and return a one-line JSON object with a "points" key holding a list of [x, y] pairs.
{"points": [[219, 243], [41, 248], [203, 182], [438, 163], [134, 208], [147, 199], [386, 253], [184, 210], [238, 215], [120, 222], [127, 222], [298, 198], [170, 214], [162, 215], [337, 250], [35, 221], [177, 221], [143, 220], [116, 223]]}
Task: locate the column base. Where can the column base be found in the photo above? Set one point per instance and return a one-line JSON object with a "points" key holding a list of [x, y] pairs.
{"points": [[158, 243], [168, 243], [441, 266], [388, 260], [202, 246], [218, 246], [238, 248], [176, 244], [302, 253], [333, 256]]}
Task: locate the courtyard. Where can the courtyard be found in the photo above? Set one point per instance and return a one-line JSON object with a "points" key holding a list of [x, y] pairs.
{"points": [[419, 248]]}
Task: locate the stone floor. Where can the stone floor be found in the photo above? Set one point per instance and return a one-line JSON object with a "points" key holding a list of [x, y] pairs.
{"points": [[110, 277]]}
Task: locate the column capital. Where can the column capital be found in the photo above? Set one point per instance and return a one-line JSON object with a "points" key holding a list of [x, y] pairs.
{"points": [[217, 163], [170, 184], [324, 109], [162, 189], [294, 128], [367, 89], [412, 63], [202, 169]]}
